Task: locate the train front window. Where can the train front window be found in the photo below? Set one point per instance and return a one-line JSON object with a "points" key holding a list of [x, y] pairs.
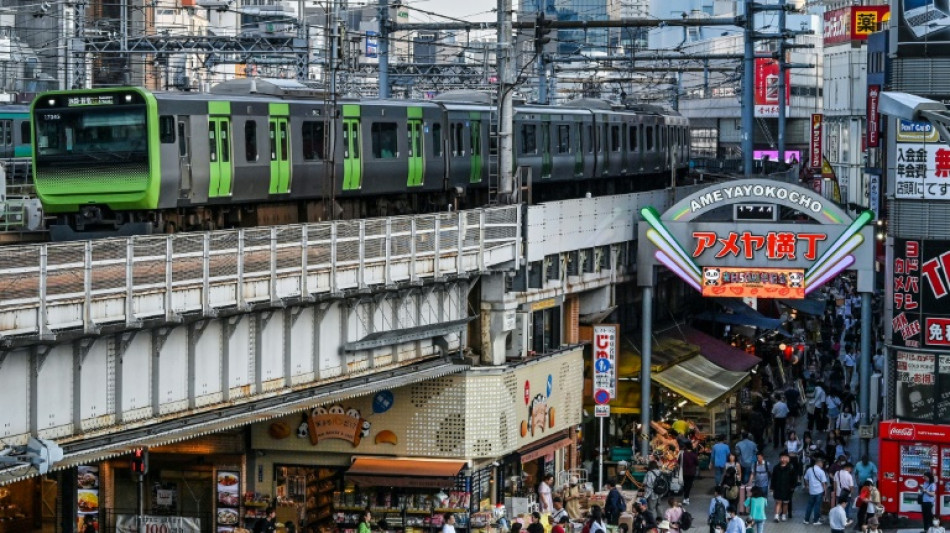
{"points": [[97, 135]]}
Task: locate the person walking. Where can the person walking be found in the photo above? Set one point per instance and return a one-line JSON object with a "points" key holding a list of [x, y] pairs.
{"points": [[756, 505], [690, 468], [649, 481], [779, 414], [864, 470], [747, 450], [736, 523], [614, 505], [761, 473], [720, 452], [794, 447], [838, 518], [673, 514], [816, 482], [596, 522], [844, 486], [544, 494], [718, 512], [782, 483], [820, 399], [928, 492]]}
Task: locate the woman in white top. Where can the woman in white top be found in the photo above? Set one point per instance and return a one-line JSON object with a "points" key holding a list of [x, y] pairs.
{"points": [[794, 447], [845, 422], [597, 520]]}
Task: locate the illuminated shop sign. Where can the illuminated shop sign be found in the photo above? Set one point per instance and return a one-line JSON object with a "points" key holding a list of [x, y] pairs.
{"points": [[753, 282]]}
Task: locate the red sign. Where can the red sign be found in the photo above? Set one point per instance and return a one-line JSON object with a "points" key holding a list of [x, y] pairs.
{"points": [[905, 321], [874, 122], [766, 87], [938, 331], [754, 282], [776, 244], [853, 23], [893, 430], [814, 159]]}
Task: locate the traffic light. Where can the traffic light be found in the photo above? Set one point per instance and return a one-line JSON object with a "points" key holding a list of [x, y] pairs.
{"points": [[140, 461], [542, 30]]}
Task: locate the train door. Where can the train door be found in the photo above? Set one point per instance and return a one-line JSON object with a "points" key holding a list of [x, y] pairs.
{"points": [[352, 157], [416, 147], [279, 134], [6, 138], [578, 148], [219, 156], [475, 135], [184, 149]]}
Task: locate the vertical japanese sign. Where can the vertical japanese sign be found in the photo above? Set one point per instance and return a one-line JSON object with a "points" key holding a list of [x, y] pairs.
{"points": [[873, 118], [766, 88], [874, 194], [372, 44], [905, 321], [606, 338], [814, 152]]}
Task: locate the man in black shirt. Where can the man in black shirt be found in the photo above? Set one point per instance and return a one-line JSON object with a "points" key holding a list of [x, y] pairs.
{"points": [[268, 524]]}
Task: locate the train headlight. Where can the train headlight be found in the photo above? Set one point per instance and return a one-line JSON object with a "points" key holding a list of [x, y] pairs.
{"points": [[128, 98]]}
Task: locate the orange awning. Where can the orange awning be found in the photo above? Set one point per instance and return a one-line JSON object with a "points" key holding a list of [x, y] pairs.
{"points": [[544, 447], [378, 471]]}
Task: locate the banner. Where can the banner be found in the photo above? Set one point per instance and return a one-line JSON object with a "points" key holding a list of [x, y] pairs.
{"points": [[157, 524], [922, 171], [874, 116], [852, 23], [814, 152], [753, 282], [606, 339], [923, 29], [766, 88]]}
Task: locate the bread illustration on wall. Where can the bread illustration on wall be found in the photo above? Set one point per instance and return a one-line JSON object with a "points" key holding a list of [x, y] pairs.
{"points": [[387, 437], [279, 430]]}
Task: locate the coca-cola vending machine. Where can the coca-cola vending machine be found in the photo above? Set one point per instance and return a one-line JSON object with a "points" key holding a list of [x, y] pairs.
{"points": [[909, 450]]}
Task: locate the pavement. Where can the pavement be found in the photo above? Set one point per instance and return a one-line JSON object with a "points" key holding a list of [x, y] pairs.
{"points": [[703, 489]]}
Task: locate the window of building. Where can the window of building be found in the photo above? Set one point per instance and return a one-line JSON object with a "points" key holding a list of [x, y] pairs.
{"points": [[384, 140], [546, 330], [312, 136]]}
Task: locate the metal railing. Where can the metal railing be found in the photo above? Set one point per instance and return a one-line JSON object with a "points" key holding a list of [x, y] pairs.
{"points": [[53, 287]]}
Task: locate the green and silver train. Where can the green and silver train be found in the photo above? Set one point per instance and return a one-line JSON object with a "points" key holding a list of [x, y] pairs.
{"points": [[258, 152]]}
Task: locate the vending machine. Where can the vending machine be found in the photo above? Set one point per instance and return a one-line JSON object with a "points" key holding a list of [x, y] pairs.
{"points": [[908, 451]]}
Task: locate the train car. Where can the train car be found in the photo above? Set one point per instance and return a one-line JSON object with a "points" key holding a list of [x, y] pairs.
{"points": [[15, 131], [131, 161]]}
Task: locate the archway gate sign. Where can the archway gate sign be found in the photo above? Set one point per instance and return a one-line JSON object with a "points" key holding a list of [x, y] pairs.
{"points": [[728, 240], [747, 250]]}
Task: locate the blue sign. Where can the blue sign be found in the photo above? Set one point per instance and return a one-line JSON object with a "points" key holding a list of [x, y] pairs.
{"points": [[383, 401], [550, 384], [372, 44], [602, 365]]}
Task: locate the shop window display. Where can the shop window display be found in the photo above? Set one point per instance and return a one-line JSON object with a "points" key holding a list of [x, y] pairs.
{"points": [[409, 510], [305, 496]]}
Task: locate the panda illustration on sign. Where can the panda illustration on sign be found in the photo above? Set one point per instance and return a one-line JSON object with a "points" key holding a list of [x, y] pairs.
{"points": [[795, 280], [712, 276]]}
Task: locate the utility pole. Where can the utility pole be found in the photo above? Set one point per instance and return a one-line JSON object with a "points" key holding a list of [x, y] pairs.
{"points": [[748, 89], [542, 29], [506, 115], [384, 48], [124, 41], [781, 84]]}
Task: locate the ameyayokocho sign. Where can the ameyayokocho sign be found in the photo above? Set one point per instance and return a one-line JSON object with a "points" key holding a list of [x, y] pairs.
{"points": [[802, 255], [920, 293]]}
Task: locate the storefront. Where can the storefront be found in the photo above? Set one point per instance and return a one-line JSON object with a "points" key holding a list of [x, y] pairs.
{"points": [[413, 453], [27, 505]]}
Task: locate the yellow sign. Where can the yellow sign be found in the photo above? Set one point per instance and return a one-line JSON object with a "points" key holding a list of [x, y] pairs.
{"points": [[547, 303], [754, 282]]}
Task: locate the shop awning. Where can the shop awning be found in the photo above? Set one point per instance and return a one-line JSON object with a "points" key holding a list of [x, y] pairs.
{"points": [[811, 306], [96, 448], [700, 381], [724, 355], [386, 472], [544, 447]]}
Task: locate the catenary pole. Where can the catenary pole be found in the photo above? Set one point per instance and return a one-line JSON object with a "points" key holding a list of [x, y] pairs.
{"points": [[506, 79], [384, 48], [646, 355]]}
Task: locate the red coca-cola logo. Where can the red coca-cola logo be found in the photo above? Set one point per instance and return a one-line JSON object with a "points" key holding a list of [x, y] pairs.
{"points": [[902, 431]]}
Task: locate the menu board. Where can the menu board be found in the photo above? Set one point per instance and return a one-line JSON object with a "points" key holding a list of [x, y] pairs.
{"points": [[87, 499], [228, 501], [916, 386]]}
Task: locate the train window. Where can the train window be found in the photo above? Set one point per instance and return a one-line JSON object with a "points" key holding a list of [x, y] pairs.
{"points": [[166, 129], [312, 136], [590, 139], [225, 141], [25, 133], [563, 139], [182, 144], [212, 142], [250, 140], [272, 134], [384, 138], [284, 151], [663, 138], [6, 131], [458, 149], [650, 139], [437, 140], [529, 139], [476, 138], [632, 133], [615, 138]]}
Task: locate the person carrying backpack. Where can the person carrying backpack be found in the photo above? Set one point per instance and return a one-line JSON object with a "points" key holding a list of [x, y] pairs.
{"points": [[717, 512], [614, 505], [653, 486]]}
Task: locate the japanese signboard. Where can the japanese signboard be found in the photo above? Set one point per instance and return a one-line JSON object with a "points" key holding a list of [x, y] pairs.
{"points": [[606, 337], [773, 246], [814, 152], [916, 384], [922, 171], [874, 116], [916, 131], [766, 88], [905, 291], [874, 194], [157, 524], [920, 293], [753, 282], [852, 23], [837, 26]]}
